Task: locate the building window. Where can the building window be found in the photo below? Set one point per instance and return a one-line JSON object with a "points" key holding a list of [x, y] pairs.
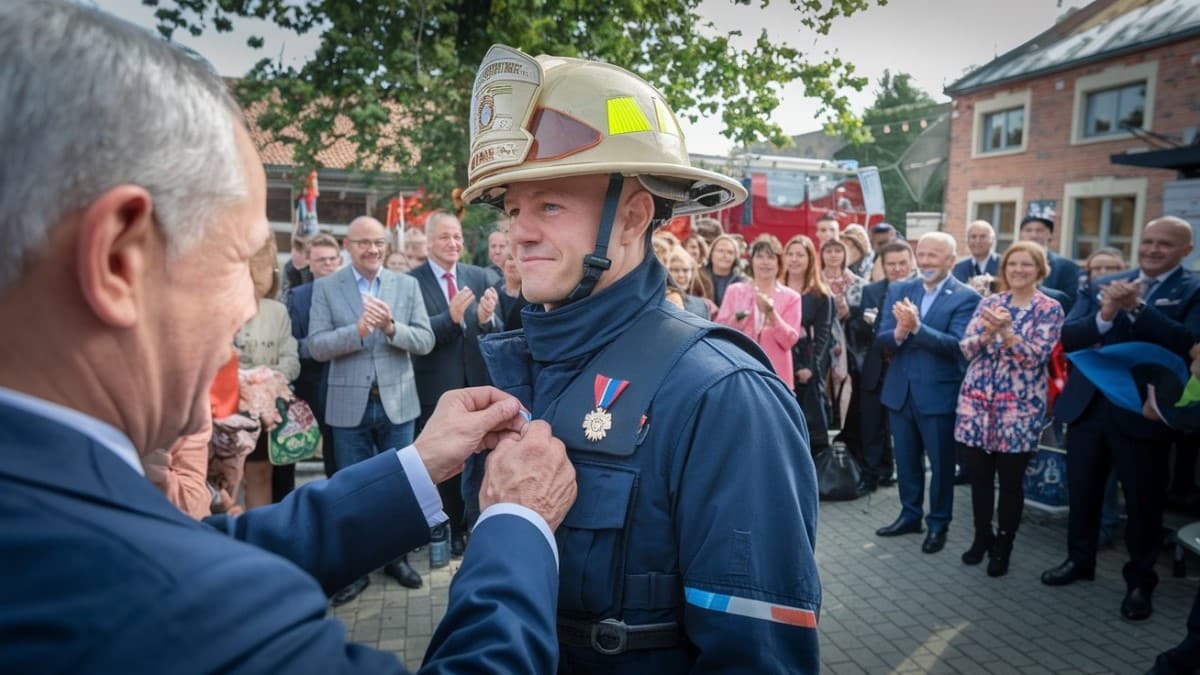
{"points": [[1115, 111], [999, 124], [1003, 130], [279, 204], [1003, 218], [1104, 221], [1109, 102]]}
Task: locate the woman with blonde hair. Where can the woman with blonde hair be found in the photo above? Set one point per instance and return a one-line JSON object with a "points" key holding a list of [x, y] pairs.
{"points": [[266, 340], [858, 251], [810, 355], [846, 288], [764, 309], [722, 266], [1002, 402], [682, 276]]}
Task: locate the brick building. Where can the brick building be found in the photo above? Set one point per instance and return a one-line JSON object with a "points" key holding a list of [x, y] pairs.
{"points": [[1036, 129]]}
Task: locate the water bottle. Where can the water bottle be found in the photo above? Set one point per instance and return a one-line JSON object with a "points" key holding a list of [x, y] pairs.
{"points": [[439, 547]]}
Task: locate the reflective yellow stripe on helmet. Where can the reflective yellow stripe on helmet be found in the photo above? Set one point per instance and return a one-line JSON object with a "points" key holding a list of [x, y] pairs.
{"points": [[625, 117], [666, 121]]}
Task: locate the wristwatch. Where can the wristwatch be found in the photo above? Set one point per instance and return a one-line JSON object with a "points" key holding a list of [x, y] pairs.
{"points": [[1137, 309]]}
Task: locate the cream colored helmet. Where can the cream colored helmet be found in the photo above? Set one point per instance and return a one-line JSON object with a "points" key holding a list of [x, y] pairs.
{"points": [[552, 117]]}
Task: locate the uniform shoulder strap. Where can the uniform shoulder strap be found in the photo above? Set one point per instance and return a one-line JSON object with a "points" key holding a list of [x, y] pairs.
{"points": [[643, 356]]}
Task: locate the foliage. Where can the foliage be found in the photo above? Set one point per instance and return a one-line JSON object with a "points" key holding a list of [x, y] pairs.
{"points": [[418, 58], [898, 106]]}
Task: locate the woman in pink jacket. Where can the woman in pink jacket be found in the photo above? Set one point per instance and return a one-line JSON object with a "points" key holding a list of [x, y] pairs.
{"points": [[764, 309]]}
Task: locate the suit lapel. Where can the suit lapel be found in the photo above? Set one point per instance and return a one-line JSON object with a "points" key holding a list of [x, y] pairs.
{"points": [[350, 291], [431, 288]]}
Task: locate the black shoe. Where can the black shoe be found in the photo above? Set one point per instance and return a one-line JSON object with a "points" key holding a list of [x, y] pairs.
{"points": [[1136, 605], [887, 482], [457, 545], [900, 527], [960, 476], [979, 547], [350, 592], [402, 572], [1067, 573], [934, 541], [1000, 554]]}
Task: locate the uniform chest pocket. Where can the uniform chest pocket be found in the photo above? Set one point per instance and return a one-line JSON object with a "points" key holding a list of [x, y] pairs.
{"points": [[591, 541]]}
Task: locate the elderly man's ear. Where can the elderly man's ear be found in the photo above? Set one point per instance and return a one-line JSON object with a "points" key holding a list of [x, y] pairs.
{"points": [[117, 237]]}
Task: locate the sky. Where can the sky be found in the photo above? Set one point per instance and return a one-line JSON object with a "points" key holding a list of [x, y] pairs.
{"points": [[936, 41]]}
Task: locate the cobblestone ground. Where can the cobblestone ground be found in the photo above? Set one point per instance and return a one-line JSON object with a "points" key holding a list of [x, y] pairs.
{"points": [[889, 608]]}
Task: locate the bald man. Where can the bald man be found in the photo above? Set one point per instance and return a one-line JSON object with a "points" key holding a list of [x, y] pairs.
{"points": [[981, 242], [367, 323], [920, 327], [1159, 302]]}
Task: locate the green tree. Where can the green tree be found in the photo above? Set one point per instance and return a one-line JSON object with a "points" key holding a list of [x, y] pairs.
{"points": [[418, 58], [892, 124]]}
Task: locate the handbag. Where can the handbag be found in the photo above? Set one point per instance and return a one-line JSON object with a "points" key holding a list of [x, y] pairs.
{"points": [[838, 474], [297, 436]]}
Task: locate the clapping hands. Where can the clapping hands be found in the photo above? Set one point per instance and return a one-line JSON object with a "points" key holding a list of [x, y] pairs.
{"points": [[908, 319]]}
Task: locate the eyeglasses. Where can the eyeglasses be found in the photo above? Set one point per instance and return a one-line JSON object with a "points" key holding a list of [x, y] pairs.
{"points": [[368, 243]]}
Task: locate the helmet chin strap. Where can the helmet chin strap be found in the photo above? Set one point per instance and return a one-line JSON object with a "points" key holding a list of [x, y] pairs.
{"points": [[597, 261]]}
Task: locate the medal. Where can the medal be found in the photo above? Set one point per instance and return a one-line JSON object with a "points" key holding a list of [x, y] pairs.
{"points": [[597, 423]]}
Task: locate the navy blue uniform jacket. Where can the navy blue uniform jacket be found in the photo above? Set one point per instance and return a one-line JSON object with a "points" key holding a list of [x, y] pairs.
{"points": [[100, 574], [712, 513]]}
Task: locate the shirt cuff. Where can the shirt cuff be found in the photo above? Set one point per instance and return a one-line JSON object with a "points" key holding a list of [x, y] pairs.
{"points": [[526, 513], [1102, 325], [422, 486]]}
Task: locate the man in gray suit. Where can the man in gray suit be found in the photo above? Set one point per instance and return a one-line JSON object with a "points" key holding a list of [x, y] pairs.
{"points": [[365, 322]]}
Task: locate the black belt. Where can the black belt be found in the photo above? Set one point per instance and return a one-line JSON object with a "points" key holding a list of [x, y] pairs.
{"points": [[612, 636]]}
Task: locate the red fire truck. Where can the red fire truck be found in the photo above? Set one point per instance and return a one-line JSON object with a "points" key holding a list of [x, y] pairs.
{"points": [[789, 194]]}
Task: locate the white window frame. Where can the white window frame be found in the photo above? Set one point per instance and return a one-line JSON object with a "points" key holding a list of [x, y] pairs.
{"points": [[1107, 186], [999, 102], [1113, 76], [993, 194]]}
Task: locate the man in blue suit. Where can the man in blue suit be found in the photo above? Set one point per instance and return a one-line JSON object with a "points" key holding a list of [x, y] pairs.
{"points": [[1158, 303], [461, 305], [1064, 273], [124, 292], [923, 322], [981, 242]]}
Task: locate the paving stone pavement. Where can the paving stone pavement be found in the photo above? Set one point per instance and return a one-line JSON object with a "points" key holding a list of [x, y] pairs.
{"points": [[889, 608]]}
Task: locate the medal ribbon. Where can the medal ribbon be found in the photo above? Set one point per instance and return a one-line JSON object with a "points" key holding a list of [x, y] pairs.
{"points": [[607, 390]]}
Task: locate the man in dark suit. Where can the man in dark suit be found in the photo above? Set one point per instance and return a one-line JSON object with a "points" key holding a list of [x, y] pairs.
{"points": [[99, 572], [981, 242], [1157, 303], [462, 306], [324, 258], [923, 321], [897, 261], [1064, 273]]}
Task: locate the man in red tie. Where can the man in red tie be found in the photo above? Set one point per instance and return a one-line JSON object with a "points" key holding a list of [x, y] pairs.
{"points": [[462, 306]]}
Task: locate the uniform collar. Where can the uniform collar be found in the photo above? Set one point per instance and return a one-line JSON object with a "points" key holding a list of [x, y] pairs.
{"points": [[587, 325]]}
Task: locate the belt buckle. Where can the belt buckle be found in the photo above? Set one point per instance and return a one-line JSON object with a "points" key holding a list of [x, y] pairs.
{"points": [[605, 633]]}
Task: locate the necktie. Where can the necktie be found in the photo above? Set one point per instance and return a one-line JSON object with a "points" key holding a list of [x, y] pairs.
{"points": [[1148, 286], [451, 289], [978, 269]]}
